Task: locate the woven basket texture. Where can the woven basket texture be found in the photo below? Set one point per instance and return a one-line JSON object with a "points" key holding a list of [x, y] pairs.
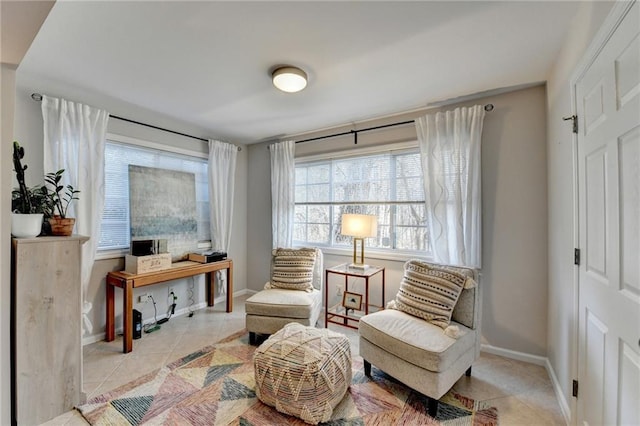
{"points": [[303, 371]]}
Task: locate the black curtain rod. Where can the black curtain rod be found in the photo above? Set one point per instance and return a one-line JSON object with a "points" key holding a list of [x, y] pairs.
{"points": [[156, 127], [38, 97], [487, 107]]}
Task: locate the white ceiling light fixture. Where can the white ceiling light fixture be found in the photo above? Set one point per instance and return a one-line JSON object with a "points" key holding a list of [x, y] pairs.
{"points": [[289, 79]]}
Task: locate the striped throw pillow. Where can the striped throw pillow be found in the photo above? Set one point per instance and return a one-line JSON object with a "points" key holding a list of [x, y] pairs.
{"points": [[429, 291], [293, 269]]}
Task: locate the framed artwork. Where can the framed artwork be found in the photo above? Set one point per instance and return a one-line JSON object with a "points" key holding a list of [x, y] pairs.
{"points": [[163, 206], [352, 300]]}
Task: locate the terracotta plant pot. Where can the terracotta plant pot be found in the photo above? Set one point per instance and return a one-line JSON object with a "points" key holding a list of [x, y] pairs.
{"points": [[60, 226]]}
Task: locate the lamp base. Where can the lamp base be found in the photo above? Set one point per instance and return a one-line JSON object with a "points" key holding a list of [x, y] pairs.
{"points": [[360, 266]]}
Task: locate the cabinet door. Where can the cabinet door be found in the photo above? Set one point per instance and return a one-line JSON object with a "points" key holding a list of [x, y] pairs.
{"points": [[47, 319]]}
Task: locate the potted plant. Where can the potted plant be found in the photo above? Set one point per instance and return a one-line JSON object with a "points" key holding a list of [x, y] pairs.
{"points": [[60, 198], [28, 204]]}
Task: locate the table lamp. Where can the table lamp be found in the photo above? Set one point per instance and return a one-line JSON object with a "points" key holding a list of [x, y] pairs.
{"points": [[359, 226]]}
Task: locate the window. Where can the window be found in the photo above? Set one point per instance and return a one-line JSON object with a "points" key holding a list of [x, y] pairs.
{"points": [[115, 228], [386, 184]]}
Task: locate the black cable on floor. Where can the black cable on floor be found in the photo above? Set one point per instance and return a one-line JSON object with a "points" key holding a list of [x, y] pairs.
{"points": [[151, 327]]}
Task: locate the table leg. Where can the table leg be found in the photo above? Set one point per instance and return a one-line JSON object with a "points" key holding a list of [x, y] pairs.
{"points": [[209, 283], [384, 305], [366, 295], [326, 299], [111, 327], [230, 288], [345, 321], [127, 317]]}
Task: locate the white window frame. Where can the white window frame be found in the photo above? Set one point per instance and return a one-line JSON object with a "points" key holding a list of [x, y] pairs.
{"points": [[371, 252], [126, 140]]}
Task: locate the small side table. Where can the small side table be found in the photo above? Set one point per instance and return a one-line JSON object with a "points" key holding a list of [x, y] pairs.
{"points": [[338, 314]]}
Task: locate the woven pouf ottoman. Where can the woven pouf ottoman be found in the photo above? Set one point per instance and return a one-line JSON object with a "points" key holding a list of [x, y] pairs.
{"points": [[303, 371]]}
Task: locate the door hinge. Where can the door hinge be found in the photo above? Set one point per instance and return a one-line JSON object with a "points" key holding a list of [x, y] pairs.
{"points": [[574, 390], [573, 118], [576, 256]]}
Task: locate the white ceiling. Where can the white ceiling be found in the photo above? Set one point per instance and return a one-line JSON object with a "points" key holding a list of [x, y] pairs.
{"points": [[209, 63]]}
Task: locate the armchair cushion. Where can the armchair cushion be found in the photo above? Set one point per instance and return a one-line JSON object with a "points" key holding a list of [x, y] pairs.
{"points": [[272, 308], [415, 340], [277, 302], [465, 311], [430, 291], [293, 269]]}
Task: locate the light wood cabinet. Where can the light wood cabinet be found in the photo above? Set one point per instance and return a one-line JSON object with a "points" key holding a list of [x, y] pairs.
{"points": [[46, 327]]}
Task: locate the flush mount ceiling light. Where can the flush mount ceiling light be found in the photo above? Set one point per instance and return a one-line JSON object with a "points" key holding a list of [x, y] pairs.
{"points": [[289, 79]]}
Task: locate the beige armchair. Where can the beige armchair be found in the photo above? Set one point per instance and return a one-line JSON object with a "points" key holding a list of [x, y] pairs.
{"points": [[427, 357], [272, 308]]}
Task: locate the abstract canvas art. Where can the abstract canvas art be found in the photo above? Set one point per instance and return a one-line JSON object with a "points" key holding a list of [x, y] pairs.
{"points": [[163, 205]]}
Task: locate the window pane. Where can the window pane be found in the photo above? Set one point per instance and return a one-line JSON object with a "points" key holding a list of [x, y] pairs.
{"points": [[319, 173], [319, 214], [376, 183], [411, 215], [115, 227], [301, 193], [319, 192], [300, 214], [409, 184], [362, 179], [411, 227], [318, 234], [299, 232], [301, 175], [411, 238]]}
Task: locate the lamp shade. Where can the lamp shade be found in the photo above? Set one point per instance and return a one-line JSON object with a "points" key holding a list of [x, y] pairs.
{"points": [[359, 225], [289, 79]]}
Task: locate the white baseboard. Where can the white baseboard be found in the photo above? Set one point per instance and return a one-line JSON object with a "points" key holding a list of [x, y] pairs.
{"points": [[520, 356], [537, 360], [562, 401], [87, 340]]}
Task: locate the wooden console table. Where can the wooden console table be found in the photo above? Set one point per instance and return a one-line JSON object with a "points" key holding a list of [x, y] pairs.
{"points": [[127, 282]]}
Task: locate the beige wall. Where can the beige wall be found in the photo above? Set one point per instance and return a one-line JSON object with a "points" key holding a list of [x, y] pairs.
{"points": [[514, 198], [7, 89], [20, 22], [514, 190], [562, 352], [28, 130]]}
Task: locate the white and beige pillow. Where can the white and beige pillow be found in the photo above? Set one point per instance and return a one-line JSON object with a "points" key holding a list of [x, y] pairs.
{"points": [[429, 291], [292, 269]]}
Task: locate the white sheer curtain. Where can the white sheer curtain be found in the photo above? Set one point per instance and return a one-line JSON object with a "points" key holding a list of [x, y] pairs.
{"points": [[222, 172], [450, 153], [283, 175], [74, 137]]}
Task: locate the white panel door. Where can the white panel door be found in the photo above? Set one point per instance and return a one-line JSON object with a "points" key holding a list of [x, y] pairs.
{"points": [[608, 108]]}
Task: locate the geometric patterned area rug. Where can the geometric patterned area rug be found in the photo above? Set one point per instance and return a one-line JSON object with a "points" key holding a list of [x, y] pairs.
{"points": [[216, 386]]}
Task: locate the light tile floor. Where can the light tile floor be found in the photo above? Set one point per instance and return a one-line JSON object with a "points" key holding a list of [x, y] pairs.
{"points": [[522, 392]]}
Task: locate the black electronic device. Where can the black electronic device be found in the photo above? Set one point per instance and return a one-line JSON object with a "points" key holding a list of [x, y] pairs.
{"points": [[207, 256], [148, 247], [137, 324], [141, 247]]}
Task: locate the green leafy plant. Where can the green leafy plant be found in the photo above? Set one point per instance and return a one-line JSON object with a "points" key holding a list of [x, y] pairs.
{"points": [[39, 199], [60, 196], [24, 199]]}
